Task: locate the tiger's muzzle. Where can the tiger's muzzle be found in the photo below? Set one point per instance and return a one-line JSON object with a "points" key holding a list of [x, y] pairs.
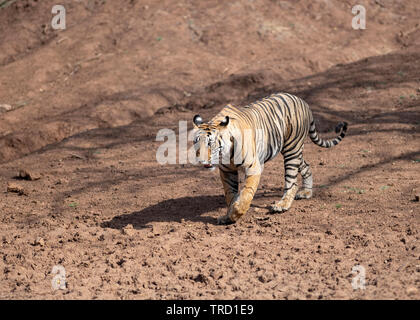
{"points": [[210, 157]]}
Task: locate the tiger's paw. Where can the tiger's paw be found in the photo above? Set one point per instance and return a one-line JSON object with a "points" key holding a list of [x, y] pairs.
{"points": [[225, 220], [303, 194], [278, 207]]}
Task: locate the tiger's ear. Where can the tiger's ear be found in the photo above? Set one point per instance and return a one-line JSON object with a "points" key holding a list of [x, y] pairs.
{"points": [[197, 120], [224, 122]]}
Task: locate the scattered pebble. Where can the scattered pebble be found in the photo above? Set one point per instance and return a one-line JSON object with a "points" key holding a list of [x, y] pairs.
{"points": [[417, 197], [39, 242], [217, 274], [5, 108], [62, 181], [15, 188], [28, 175], [266, 277], [128, 230], [411, 291], [201, 278]]}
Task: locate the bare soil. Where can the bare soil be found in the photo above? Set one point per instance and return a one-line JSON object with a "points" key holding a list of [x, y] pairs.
{"points": [[81, 187]]}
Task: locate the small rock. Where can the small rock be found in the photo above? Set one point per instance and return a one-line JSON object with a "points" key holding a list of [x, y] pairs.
{"points": [[28, 175], [417, 197], [217, 274], [265, 277], [190, 236], [201, 278], [121, 262], [15, 188], [39, 242], [62, 181], [5, 108], [128, 230], [411, 291]]}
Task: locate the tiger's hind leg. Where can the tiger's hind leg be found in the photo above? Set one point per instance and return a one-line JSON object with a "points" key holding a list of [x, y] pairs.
{"points": [[291, 166], [305, 171]]}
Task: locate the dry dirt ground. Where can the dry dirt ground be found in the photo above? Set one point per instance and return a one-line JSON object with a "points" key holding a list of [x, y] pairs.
{"points": [[85, 105]]}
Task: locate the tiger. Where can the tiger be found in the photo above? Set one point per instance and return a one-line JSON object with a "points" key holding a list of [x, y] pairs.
{"points": [[272, 125]]}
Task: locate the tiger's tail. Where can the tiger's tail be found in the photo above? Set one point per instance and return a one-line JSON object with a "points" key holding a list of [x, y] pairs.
{"points": [[313, 134]]}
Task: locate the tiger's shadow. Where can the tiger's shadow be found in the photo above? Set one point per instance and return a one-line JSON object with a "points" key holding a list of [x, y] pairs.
{"points": [[187, 208]]}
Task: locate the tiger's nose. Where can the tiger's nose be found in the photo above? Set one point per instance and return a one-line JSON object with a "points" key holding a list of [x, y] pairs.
{"points": [[203, 154]]}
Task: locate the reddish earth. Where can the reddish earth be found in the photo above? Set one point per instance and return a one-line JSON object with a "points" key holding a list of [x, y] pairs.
{"points": [[85, 105]]}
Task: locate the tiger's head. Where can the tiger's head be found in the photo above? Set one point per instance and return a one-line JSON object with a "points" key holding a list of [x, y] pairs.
{"points": [[211, 141]]}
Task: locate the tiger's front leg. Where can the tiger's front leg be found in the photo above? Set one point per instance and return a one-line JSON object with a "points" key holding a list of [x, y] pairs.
{"points": [[230, 183], [241, 203]]}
